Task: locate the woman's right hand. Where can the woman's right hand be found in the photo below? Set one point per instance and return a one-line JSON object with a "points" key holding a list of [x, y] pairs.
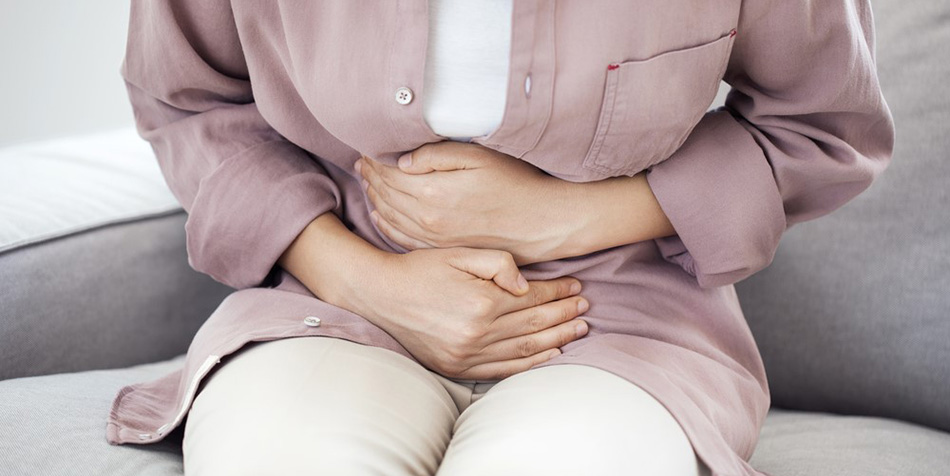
{"points": [[463, 313]]}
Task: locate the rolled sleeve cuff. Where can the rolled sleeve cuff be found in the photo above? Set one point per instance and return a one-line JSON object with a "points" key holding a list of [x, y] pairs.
{"points": [[721, 197], [252, 207]]}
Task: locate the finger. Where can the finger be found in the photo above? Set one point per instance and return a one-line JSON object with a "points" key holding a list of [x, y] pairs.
{"points": [[540, 292], [507, 368], [378, 174], [395, 216], [396, 235], [493, 265], [536, 319], [531, 344], [441, 156]]}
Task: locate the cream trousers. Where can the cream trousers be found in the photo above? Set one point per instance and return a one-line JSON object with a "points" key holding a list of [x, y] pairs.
{"points": [[327, 406]]}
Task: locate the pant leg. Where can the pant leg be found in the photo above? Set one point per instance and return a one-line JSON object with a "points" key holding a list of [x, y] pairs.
{"points": [[568, 420], [318, 405]]}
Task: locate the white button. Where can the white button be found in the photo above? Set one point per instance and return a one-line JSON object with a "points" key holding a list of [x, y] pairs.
{"points": [[312, 321], [404, 95], [527, 85], [144, 436]]}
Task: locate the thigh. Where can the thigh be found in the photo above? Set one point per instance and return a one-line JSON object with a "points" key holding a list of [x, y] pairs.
{"points": [[568, 419], [318, 405]]}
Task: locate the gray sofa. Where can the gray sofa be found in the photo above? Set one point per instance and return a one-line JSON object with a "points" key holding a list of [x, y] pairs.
{"points": [[852, 317]]}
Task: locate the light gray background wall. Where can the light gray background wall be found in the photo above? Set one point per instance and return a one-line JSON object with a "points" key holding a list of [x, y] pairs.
{"points": [[59, 68]]}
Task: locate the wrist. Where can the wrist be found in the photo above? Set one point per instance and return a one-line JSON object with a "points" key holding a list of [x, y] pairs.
{"points": [[332, 262], [607, 213], [555, 224]]}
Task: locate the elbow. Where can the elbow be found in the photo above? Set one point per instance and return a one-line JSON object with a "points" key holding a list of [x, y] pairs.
{"points": [[747, 254], [223, 263]]}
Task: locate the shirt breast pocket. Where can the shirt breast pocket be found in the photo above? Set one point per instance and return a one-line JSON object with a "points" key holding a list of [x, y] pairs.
{"points": [[650, 106]]}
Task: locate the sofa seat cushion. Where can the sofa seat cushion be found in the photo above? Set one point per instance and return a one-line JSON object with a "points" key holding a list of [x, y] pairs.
{"points": [[55, 425], [794, 443]]}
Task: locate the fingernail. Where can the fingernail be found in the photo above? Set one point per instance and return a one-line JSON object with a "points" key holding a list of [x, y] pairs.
{"points": [[522, 282], [405, 160], [554, 353], [374, 217], [581, 328], [576, 287], [582, 306], [357, 165], [364, 184]]}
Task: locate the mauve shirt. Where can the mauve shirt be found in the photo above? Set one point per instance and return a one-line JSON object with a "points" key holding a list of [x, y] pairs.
{"points": [[257, 112]]}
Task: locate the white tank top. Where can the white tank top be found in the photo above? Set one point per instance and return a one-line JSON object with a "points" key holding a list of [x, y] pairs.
{"points": [[466, 73]]}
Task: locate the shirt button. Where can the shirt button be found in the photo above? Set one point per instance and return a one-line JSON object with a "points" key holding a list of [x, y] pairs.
{"points": [[404, 95], [312, 321], [527, 85]]}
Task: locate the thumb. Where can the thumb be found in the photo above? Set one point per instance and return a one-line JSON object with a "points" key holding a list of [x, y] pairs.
{"points": [[432, 158], [494, 265]]}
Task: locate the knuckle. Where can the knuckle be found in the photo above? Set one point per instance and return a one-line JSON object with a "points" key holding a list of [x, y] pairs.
{"points": [[564, 288], [527, 347], [568, 335], [429, 191], [388, 214], [430, 222], [482, 305], [539, 296], [565, 312], [505, 259], [385, 194], [535, 320], [471, 335]]}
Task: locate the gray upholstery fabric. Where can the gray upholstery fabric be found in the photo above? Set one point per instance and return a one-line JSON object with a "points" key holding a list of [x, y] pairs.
{"points": [[853, 315], [55, 425], [815, 444], [109, 297]]}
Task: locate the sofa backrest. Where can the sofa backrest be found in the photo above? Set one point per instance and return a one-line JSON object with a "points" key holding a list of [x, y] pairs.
{"points": [[853, 315]]}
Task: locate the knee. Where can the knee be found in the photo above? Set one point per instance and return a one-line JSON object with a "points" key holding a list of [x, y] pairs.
{"points": [[312, 406], [568, 419]]}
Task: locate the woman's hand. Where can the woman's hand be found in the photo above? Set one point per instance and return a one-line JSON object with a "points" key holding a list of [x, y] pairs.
{"points": [[462, 194], [468, 313]]}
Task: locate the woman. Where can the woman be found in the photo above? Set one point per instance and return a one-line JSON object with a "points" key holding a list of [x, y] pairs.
{"points": [[437, 267]]}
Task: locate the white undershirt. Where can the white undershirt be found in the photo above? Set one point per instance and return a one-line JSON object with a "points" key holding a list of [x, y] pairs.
{"points": [[466, 74]]}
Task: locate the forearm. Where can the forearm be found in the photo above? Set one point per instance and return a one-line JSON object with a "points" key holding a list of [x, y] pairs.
{"points": [[332, 262], [608, 213]]}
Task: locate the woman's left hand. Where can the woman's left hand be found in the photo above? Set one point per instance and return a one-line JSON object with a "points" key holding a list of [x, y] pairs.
{"points": [[463, 194]]}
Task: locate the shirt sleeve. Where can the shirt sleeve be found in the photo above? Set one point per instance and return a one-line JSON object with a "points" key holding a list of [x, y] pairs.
{"points": [[247, 190], [804, 130]]}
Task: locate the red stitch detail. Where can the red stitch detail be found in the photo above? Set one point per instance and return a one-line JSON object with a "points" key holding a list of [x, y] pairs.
{"points": [[612, 66], [732, 33]]}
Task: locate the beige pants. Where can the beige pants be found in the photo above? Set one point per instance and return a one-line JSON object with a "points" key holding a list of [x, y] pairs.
{"points": [[321, 405]]}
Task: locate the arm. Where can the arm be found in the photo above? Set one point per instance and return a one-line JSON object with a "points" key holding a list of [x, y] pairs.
{"points": [[804, 130], [247, 190], [607, 213]]}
